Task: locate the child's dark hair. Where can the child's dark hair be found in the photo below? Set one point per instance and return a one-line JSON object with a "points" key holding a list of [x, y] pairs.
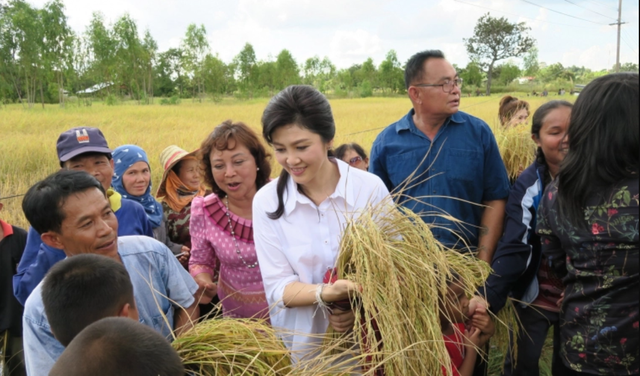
{"points": [[305, 107], [83, 289], [119, 346]]}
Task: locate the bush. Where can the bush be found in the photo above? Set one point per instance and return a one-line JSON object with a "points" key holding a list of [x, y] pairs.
{"points": [[110, 100], [173, 100], [365, 89]]}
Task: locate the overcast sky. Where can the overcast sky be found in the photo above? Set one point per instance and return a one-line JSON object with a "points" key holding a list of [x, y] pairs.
{"points": [[349, 31]]}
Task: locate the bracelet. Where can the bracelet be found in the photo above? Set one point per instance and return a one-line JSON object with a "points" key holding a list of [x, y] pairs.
{"points": [[319, 301]]}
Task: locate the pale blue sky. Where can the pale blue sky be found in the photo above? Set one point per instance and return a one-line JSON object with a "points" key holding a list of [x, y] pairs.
{"points": [[349, 31]]}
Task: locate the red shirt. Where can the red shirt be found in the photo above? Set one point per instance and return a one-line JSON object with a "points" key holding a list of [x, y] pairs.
{"points": [[455, 347]]}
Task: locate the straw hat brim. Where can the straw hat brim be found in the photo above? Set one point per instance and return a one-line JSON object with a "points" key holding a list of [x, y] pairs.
{"points": [[160, 192]]}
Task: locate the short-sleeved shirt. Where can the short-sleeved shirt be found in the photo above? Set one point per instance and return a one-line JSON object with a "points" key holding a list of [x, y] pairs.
{"points": [[158, 279], [449, 175], [303, 243], [38, 257]]}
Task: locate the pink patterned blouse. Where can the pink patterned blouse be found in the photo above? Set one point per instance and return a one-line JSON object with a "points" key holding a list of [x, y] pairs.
{"points": [[240, 288]]}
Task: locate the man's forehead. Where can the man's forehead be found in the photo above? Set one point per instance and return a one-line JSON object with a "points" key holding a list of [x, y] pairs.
{"points": [[82, 204], [87, 157], [439, 69]]}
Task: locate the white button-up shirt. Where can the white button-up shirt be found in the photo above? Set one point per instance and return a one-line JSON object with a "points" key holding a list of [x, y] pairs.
{"points": [[303, 243]]}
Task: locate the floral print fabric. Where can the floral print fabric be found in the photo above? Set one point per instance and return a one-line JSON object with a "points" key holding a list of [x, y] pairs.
{"points": [[599, 262]]}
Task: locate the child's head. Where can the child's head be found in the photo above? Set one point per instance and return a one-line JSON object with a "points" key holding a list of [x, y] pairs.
{"points": [[455, 304], [118, 346], [83, 289]]}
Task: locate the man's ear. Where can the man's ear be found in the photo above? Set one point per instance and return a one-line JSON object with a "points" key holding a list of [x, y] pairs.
{"points": [[112, 163], [414, 94], [124, 311], [52, 239]]}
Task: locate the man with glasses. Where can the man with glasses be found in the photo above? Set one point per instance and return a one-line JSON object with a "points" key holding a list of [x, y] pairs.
{"points": [[445, 162]]}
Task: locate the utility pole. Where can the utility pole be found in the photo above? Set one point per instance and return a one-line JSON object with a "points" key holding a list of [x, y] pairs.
{"points": [[619, 23]]}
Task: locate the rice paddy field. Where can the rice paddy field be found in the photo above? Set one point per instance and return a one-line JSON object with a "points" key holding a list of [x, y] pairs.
{"points": [[28, 138]]}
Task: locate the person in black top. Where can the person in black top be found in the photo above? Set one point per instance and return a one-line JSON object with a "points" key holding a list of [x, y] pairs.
{"points": [[12, 242]]}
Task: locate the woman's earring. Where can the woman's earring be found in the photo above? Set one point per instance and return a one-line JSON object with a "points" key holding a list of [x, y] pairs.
{"points": [[258, 169]]}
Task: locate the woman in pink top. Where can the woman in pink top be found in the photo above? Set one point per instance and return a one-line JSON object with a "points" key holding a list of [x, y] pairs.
{"points": [[223, 257]]}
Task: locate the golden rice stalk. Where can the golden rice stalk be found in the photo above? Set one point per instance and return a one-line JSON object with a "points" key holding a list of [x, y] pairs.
{"points": [[403, 271], [221, 347], [516, 147]]}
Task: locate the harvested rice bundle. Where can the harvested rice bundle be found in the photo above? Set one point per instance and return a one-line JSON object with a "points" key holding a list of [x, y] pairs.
{"points": [[233, 347], [516, 147], [404, 271]]}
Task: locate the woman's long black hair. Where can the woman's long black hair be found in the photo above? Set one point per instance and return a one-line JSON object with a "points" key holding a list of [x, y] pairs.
{"points": [[536, 125], [603, 142], [305, 107]]}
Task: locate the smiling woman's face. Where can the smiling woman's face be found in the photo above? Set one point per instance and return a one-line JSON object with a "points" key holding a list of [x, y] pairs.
{"points": [[300, 152], [137, 178]]}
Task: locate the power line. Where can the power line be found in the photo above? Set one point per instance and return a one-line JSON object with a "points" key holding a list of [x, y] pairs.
{"points": [[592, 11], [632, 49], [630, 36], [604, 5], [564, 14], [517, 15]]}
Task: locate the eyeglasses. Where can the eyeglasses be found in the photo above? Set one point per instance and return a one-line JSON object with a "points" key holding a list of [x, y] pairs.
{"points": [[355, 160], [447, 86]]}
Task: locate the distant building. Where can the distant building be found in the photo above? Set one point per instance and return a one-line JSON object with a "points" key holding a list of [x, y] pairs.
{"points": [[95, 88], [524, 80]]}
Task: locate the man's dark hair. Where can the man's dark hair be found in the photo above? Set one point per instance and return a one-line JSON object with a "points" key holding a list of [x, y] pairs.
{"points": [[118, 346], [42, 205], [83, 289], [414, 71]]}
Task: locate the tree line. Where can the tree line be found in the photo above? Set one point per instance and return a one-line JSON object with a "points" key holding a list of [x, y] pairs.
{"points": [[42, 60]]}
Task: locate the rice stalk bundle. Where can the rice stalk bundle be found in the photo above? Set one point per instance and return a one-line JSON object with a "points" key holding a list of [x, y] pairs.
{"points": [[516, 147], [403, 271], [221, 347]]}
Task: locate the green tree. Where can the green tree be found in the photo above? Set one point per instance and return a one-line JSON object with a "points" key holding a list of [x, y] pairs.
{"points": [[57, 44], [471, 74], [215, 76], [169, 74], [530, 62], [318, 72], [246, 65], [628, 67], [287, 71], [495, 39], [101, 51], [196, 47], [506, 73], [128, 56], [23, 32], [391, 74]]}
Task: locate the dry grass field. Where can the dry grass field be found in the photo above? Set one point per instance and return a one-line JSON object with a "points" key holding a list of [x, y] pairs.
{"points": [[28, 137]]}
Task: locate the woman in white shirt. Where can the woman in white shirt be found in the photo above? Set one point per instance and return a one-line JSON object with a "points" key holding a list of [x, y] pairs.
{"points": [[299, 218]]}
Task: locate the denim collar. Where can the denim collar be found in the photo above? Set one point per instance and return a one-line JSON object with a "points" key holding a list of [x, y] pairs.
{"points": [[406, 123]]}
